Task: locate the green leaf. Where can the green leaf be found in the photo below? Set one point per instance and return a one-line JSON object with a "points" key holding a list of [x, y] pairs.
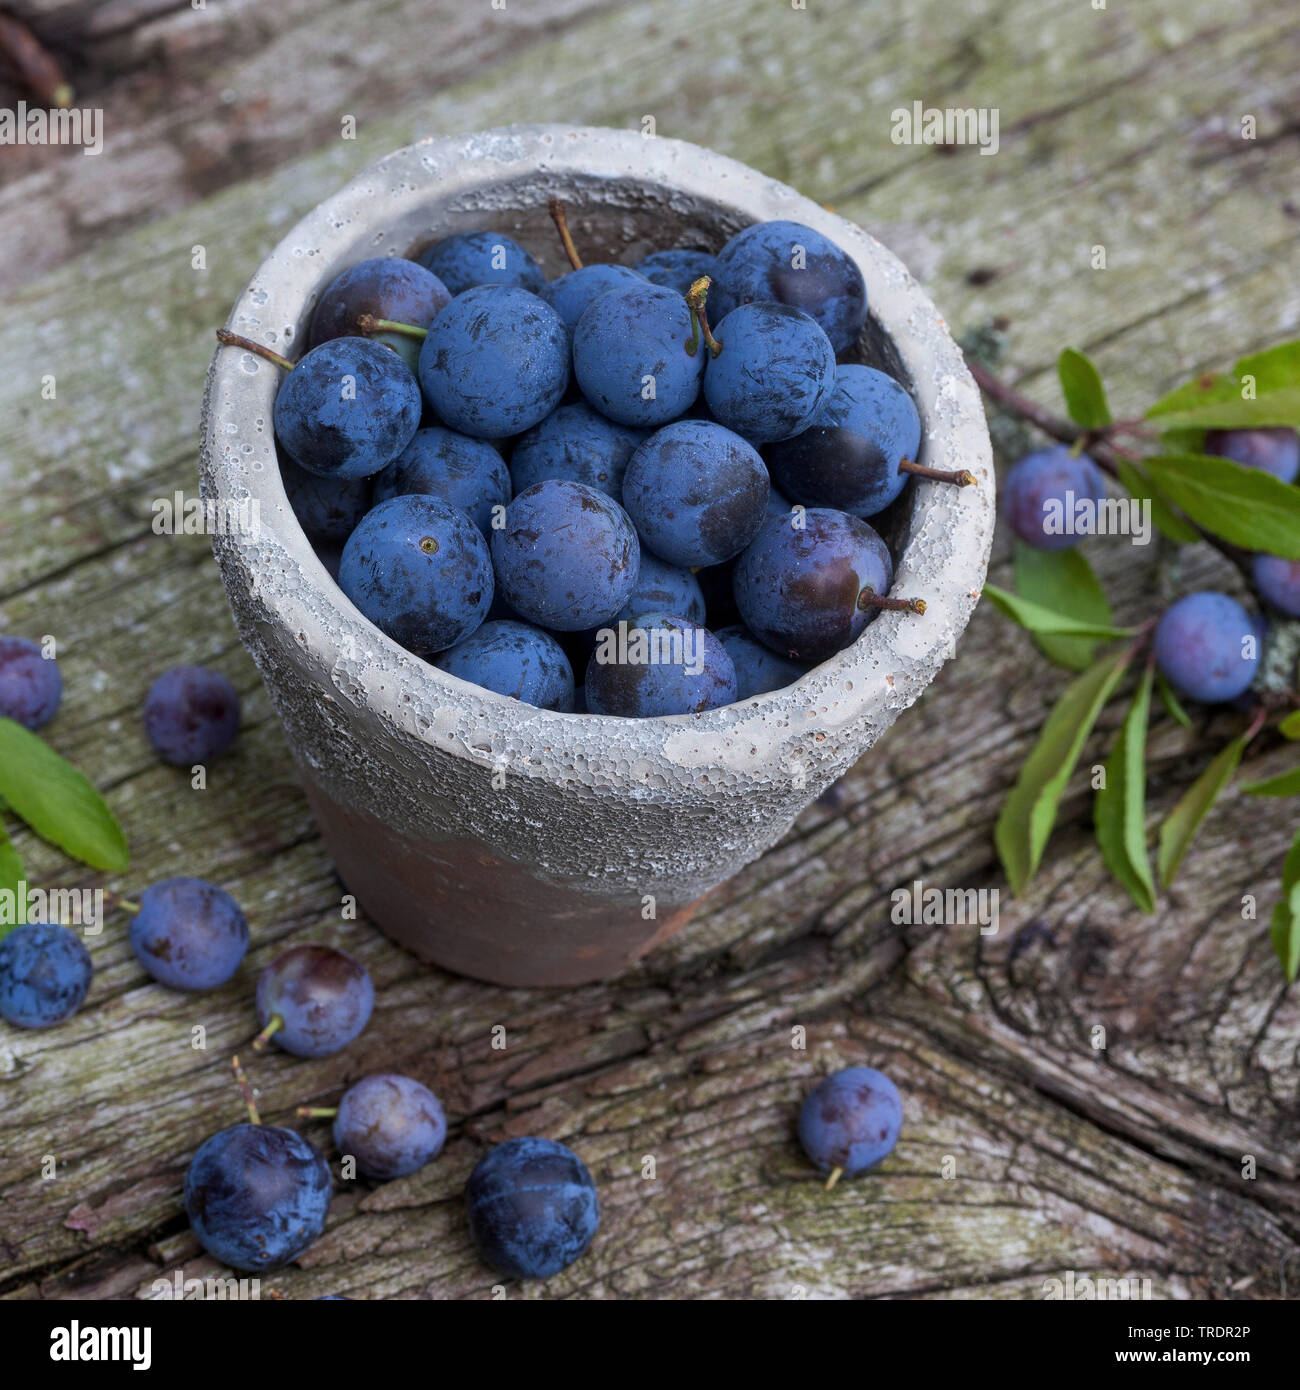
{"points": [[1284, 784], [1173, 705], [1247, 506], [1163, 518], [1290, 726], [1217, 400], [1044, 621], [11, 874], [1026, 821], [1085, 396], [1062, 581], [1184, 821], [1120, 812], [57, 802], [1285, 931]]}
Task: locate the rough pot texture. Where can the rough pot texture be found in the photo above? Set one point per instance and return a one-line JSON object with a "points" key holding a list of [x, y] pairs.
{"points": [[515, 844]]}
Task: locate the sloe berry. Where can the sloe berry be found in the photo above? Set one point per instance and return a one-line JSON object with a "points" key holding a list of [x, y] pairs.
{"points": [[347, 409], [660, 665], [1275, 450], [679, 270], [420, 571], [774, 370], [327, 509], [696, 493], [795, 265], [189, 934], [313, 1000], [532, 1207], [664, 588], [1278, 581], [758, 670], [1044, 488], [191, 715], [31, 686], [630, 356], [1207, 647], [496, 362], [514, 659], [455, 468], [391, 1125], [567, 557], [482, 258], [45, 972], [571, 293], [851, 1121], [257, 1195], [385, 287], [802, 590], [848, 458], [576, 443]]}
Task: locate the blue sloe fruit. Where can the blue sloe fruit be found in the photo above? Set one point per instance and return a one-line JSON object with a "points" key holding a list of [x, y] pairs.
{"points": [[679, 270], [1207, 647], [567, 557], [257, 1195], [848, 458], [31, 687], [45, 972], [664, 588], [327, 509], [758, 669], [803, 590], [347, 409], [455, 468], [313, 1000], [696, 493], [1275, 450], [1278, 581], [191, 715], [630, 356], [482, 258], [419, 570], [391, 1125], [793, 264], [774, 371], [386, 287], [851, 1121], [496, 362], [571, 293], [576, 443], [189, 934], [1041, 491], [532, 1207], [661, 664], [514, 659]]}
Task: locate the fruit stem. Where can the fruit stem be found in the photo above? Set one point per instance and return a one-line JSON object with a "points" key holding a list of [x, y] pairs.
{"points": [[317, 1112], [561, 219], [230, 339], [116, 900], [241, 1080], [695, 298], [959, 477], [368, 323], [868, 598], [273, 1026], [836, 1175]]}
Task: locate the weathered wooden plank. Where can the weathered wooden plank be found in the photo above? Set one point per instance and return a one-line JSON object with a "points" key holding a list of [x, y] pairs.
{"points": [[1126, 1160]]}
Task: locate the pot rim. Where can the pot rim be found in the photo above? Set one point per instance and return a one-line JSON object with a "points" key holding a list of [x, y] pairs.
{"points": [[949, 529]]}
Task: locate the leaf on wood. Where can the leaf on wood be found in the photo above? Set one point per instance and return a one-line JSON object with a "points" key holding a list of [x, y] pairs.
{"points": [[57, 801], [1120, 812], [1284, 784], [1290, 726], [1085, 396], [1044, 621], [1246, 506], [1184, 821], [11, 874], [1173, 705], [1026, 820], [1262, 389], [1285, 930], [1063, 581]]}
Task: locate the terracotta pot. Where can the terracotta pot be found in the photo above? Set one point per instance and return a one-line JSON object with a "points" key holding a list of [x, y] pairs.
{"points": [[519, 845]]}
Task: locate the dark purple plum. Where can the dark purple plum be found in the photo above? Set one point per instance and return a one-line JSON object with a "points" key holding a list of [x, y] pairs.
{"points": [[45, 972], [758, 669], [31, 685], [679, 270], [385, 287], [664, 588], [571, 293], [576, 443], [1278, 582], [659, 665], [851, 1121], [313, 1000], [1275, 450], [455, 468], [1207, 647], [191, 715], [1041, 492], [327, 509], [391, 1125], [514, 659], [482, 258], [189, 934]]}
